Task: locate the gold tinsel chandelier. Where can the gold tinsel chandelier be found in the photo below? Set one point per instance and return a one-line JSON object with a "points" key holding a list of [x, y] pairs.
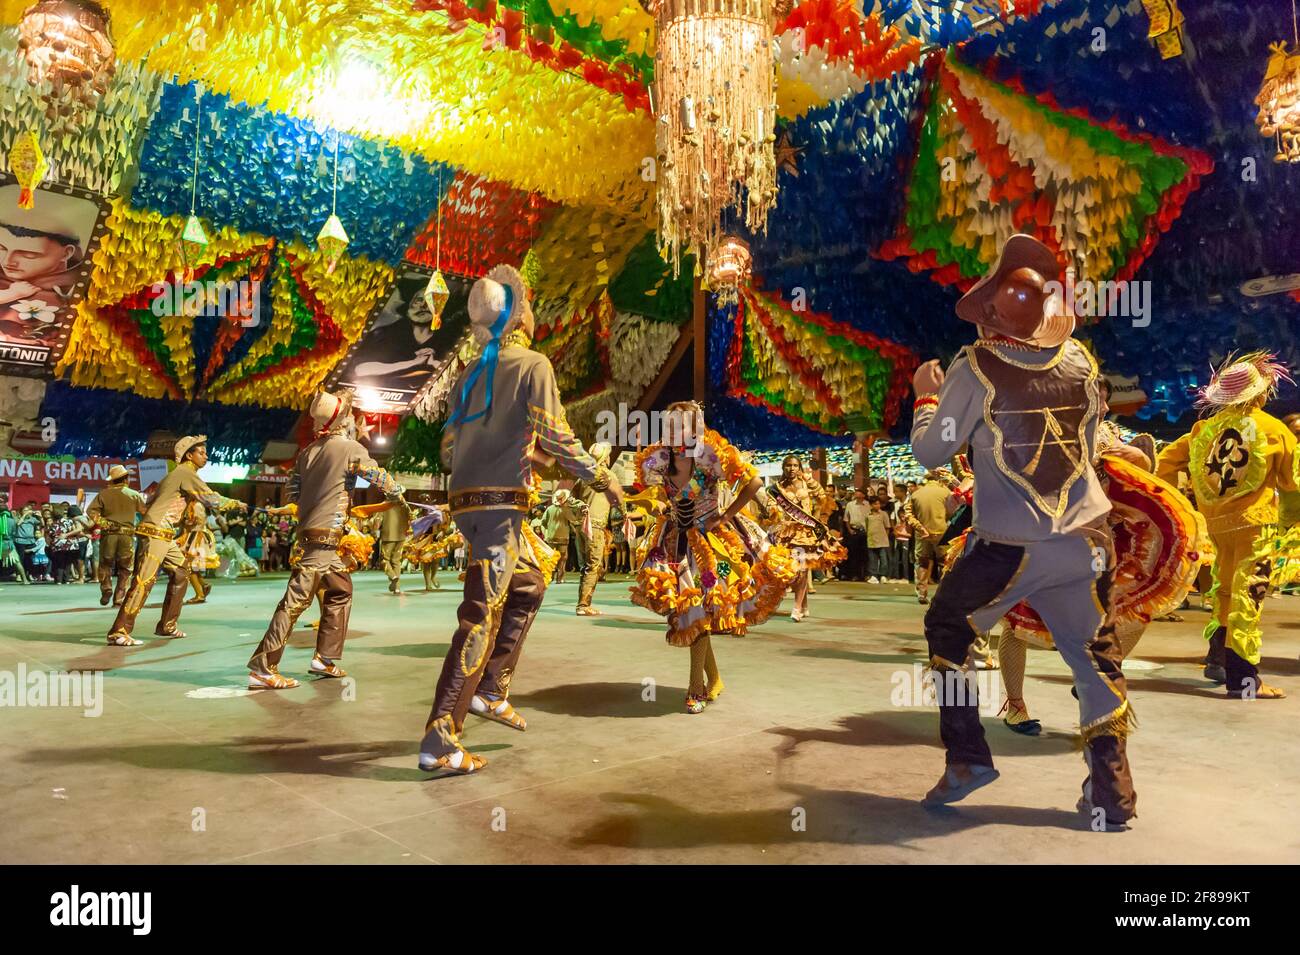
{"points": [[714, 100], [69, 53], [1279, 96]]}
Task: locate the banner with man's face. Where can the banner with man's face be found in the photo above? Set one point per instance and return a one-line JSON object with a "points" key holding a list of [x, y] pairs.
{"points": [[45, 265], [399, 349]]}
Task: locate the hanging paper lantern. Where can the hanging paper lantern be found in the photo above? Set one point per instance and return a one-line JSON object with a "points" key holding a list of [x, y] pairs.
{"points": [[27, 163], [1166, 27], [1279, 102], [68, 46], [436, 294], [332, 240], [531, 270], [729, 265], [192, 244]]}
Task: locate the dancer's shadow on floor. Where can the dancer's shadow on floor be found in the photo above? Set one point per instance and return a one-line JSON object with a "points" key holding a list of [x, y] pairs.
{"points": [[917, 727], [1139, 685], [855, 656], [597, 700], [109, 659], [419, 651], [1283, 666], [606, 622], [831, 816], [254, 755]]}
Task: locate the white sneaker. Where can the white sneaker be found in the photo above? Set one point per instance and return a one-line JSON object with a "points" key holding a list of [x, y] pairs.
{"points": [[873, 580]]}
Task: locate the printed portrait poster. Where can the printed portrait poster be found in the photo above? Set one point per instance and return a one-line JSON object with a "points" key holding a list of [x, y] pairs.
{"points": [[400, 350], [44, 272]]}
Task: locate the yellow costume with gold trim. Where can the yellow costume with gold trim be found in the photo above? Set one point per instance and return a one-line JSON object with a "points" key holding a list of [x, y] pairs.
{"points": [[1237, 462]]}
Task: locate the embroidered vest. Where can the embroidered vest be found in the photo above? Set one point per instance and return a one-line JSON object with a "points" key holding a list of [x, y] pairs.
{"points": [[1039, 416]]}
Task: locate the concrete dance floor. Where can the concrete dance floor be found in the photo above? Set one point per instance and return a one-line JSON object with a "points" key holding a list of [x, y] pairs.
{"points": [[813, 753]]}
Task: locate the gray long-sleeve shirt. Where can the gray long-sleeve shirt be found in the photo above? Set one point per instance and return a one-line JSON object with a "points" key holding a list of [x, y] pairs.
{"points": [[324, 476], [1008, 506], [494, 451]]}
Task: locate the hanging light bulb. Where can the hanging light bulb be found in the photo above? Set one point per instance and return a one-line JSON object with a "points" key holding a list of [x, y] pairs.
{"points": [[729, 266], [1279, 96]]}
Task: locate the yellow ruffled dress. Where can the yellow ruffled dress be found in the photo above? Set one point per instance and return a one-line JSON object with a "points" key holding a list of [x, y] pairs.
{"points": [[724, 581]]}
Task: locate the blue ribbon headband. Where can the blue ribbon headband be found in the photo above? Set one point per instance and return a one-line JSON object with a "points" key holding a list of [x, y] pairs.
{"points": [[487, 362]]}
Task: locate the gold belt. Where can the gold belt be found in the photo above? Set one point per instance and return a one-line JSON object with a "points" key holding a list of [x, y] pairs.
{"points": [[323, 536], [478, 498], [154, 532]]}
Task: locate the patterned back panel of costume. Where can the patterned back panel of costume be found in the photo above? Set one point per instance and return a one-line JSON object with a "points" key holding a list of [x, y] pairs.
{"points": [[1228, 458], [1039, 416]]}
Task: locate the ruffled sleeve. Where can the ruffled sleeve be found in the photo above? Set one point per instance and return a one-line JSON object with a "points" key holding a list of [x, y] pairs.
{"points": [[731, 466], [649, 464]]}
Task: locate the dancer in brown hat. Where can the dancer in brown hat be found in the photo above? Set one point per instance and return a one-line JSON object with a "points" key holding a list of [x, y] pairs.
{"points": [[114, 509], [321, 487], [1025, 399], [158, 549]]}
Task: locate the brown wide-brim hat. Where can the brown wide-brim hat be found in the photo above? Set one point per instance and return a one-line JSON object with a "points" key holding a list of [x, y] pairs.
{"points": [[1019, 252]]}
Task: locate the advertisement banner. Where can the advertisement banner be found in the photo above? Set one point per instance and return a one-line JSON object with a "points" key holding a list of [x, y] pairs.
{"points": [[399, 349], [45, 265]]}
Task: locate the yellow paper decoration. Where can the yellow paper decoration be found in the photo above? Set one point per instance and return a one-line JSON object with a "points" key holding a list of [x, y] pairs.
{"points": [[27, 163]]}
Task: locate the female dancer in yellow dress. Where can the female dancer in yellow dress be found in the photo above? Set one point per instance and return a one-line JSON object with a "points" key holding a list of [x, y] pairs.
{"points": [[432, 538], [707, 571], [794, 508], [198, 545]]}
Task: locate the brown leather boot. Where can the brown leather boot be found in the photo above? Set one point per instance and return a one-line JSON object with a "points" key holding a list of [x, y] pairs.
{"points": [[1109, 785]]}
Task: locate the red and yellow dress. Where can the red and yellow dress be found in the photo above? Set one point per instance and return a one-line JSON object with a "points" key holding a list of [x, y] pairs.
{"points": [[720, 582]]}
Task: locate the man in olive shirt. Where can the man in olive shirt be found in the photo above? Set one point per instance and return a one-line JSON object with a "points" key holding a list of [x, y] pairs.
{"points": [[591, 533], [114, 509], [557, 521], [158, 548], [394, 527], [926, 512], [323, 479], [507, 418]]}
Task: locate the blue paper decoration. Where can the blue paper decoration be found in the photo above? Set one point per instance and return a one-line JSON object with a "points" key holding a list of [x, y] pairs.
{"points": [[272, 174]]}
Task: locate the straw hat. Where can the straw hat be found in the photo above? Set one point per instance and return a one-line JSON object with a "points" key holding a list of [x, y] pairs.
{"points": [[1242, 381], [1013, 298], [117, 472], [560, 496], [187, 444], [330, 412], [501, 292], [600, 451]]}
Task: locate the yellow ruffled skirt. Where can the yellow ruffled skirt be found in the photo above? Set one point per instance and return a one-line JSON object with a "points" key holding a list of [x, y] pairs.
{"points": [[728, 580]]}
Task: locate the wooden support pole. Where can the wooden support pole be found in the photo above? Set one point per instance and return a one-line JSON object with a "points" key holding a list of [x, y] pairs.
{"points": [[700, 324]]}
